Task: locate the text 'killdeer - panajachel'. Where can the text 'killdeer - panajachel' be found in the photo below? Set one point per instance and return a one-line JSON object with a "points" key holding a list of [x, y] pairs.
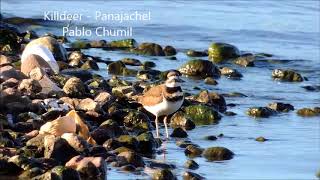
{"points": [[164, 99]]}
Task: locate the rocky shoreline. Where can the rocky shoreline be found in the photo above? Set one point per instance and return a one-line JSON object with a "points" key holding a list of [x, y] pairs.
{"points": [[98, 122]]}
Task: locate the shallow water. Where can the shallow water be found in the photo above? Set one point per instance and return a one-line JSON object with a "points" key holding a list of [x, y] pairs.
{"points": [[288, 29]]}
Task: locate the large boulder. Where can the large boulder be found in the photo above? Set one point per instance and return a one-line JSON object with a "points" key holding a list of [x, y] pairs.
{"points": [[219, 52], [217, 154], [200, 68], [58, 51], [202, 114]]}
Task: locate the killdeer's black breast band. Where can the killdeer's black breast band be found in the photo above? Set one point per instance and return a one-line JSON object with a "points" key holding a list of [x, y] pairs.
{"points": [[172, 90], [174, 98]]}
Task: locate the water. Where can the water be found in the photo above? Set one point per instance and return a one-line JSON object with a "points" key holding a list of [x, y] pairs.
{"points": [[289, 29]]}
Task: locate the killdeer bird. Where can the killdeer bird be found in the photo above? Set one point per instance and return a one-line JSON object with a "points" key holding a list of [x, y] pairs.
{"points": [[164, 99]]}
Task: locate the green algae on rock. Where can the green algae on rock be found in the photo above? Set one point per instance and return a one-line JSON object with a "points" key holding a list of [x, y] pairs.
{"points": [[163, 174], [123, 44], [9, 41], [149, 49], [217, 154], [202, 114], [309, 112], [200, 68], [263, 112], [219, 52]]}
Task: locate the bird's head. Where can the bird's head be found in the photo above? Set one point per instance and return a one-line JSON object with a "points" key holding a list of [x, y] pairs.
{"points": [[173, 79]]}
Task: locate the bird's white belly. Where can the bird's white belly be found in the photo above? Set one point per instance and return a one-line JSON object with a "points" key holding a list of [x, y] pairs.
{"points": [[165, 107]]}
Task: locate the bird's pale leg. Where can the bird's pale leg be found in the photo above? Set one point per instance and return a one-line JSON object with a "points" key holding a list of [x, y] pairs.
{"points": [[166, 126], [157, 128]]}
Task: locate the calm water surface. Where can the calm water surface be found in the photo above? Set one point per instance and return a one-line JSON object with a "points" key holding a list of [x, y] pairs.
{"points": [[289, 29]]}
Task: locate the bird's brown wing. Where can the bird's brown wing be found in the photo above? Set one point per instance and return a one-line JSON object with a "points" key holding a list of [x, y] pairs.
{"points": [[153, 96]]}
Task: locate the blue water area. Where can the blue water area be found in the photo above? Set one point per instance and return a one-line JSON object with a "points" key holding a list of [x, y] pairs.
{"points": [[288, 29]]}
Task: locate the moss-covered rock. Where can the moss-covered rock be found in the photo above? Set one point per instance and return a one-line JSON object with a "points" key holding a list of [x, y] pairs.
{"points": [[212, 99], [123, 44], [136, 121], [148, 64], [193, 151], [147, 143], [210, 81], [245, 61], [286, 75], [309, 112], [62, 172], [230, 73], [261, 139], [131, 61], [9, 41], [179, 119], [79, 44], [179, 133], [263, 112], [217, 154], [119, 68], [130, 158], [149, 49], [193, 53], [163, 174], [191, 176], [200, 68], [169, 51], [191, 164], [202, 114], [219, 52]]}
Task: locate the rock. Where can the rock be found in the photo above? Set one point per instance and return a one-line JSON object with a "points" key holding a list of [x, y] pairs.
{"points": [[77, 142], [90, 65], [191, 176], [8, 72], [245, 61], [315, 88], [84, 75], [58, 51], [88, 104], [191, 164], [10, 83], [29, 86], [61, 172], [200, 68], [179, 133], [193, 151], [193, 53], [163, 174], [79, 44], [169, 51], [230, 113], [123, 44], [263, 112], [75, 58], [219, 52], [130, 158], [136, 121], [147, 143], [37, 141], [9, 168], [211, 138], [32, 173], [202, 115], [230, 73], [149, 64], [286, 75], [261, 139], [89, 167], [98, 44], [179, 119], [119, 68], [217, 154], [9, 41], [149, 49], [148, 74], [128, 168], [122, 149], [281, 107], [183, 143], [106, 131], [210, 81], [4, 60], [111, 144], [97, 84], [128, 141], [131, 61], [309, 112], [212, 99], [124, 91], [58, 149], [74, 87], [104, 98]]}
